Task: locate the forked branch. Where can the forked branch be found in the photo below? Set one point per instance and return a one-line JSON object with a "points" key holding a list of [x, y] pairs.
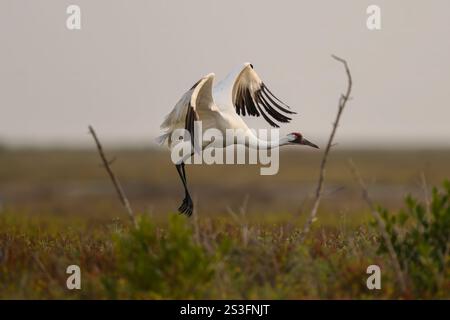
{"points": [[318, 195]]}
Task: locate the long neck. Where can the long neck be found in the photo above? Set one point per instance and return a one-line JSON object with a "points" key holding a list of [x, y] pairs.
{"points": [[254, 142]]}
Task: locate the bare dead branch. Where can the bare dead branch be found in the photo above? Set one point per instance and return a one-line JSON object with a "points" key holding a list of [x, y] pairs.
{"points": [[318, 195], [107, 164], [381, 226]]}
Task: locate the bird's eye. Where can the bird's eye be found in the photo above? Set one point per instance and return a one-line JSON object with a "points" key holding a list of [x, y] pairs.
{"points": [[251, 66]]}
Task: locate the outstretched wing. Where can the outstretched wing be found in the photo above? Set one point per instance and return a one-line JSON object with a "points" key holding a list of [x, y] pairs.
{"points": [[196, 103], [252, 97], [201, 102]]}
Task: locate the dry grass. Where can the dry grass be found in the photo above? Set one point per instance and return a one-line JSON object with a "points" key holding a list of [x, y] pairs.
{"points": [[59, 208]]}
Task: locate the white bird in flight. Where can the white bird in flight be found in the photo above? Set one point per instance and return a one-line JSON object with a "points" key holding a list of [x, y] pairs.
{"points": [[221, 106]]}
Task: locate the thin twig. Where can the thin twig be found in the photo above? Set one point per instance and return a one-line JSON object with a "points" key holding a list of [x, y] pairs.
{"points": [[196, 224], [242, 219], [425, 192], [381, 227], [41, 266], [318, 195], [121, 194]]}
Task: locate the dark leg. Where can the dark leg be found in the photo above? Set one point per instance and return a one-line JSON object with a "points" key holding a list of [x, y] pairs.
{"points": [[184, 172], [187, 206]]}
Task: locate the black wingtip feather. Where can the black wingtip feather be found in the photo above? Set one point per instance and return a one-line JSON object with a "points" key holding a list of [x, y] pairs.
{"points": [[262, 102], [271, 111], [266, 92], [263, 85]]}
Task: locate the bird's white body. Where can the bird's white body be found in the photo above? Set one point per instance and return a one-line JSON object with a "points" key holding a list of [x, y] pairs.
{"points": [[220, 107], [215, 107]]}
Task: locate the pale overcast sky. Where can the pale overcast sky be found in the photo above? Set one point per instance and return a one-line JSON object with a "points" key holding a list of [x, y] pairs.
{"points": [[132, 60]]}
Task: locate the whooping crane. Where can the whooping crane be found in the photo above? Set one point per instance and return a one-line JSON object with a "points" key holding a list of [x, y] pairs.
{"points": [[242, 92]]}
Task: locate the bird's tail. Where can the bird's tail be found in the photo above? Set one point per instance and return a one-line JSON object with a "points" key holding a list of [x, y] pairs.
{"points": [[162, 138]]}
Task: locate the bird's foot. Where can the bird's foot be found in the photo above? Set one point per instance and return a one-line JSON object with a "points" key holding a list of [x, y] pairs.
{"points": [[187, 207]]}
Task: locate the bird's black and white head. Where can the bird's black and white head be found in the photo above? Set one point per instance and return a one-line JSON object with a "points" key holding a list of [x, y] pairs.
{"points": [[297, 138]]}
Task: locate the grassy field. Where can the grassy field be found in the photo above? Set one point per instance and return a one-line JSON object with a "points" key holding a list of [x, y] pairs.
{"points": [[58, 208]]}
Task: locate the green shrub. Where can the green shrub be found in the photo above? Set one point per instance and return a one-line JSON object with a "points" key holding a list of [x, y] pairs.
{"points": [[420, 235], [169, 265]]}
